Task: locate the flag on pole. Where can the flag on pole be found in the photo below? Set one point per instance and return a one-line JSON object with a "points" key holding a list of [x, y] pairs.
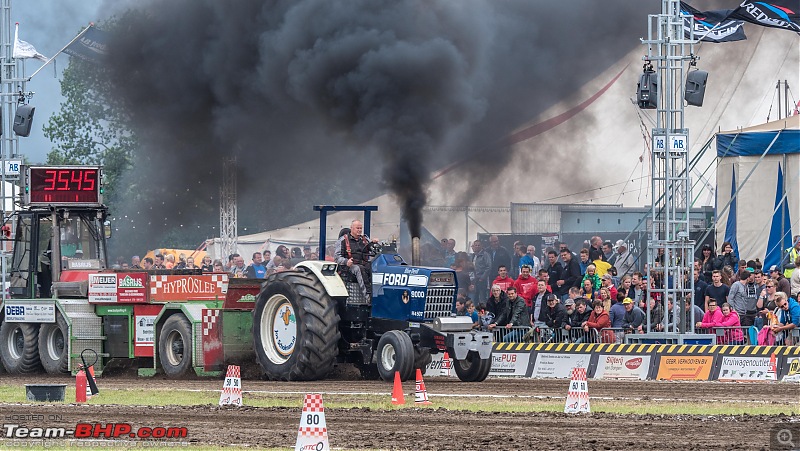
{"points": [[711, 26], [783, 14], [23, 49], [91, 45]]}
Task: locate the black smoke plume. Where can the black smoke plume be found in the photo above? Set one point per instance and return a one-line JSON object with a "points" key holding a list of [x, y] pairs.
{"points": [[326, 101]]}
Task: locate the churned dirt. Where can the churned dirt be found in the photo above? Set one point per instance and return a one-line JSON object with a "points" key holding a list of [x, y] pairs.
{"points": [[440, 429]]}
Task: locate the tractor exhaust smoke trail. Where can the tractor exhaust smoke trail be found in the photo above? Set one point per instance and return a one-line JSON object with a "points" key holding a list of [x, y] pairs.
{"points": [[316, 97]]}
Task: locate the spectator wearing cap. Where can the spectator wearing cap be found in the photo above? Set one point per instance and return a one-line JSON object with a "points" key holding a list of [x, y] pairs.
{"points": [[781, 282], [607, 281], [634, 317], [743, 297], [554, 313], [569, 307], [624, 261]]}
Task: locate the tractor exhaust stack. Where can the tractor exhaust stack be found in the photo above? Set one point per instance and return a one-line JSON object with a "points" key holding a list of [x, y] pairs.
{"points": [[415, 260]]}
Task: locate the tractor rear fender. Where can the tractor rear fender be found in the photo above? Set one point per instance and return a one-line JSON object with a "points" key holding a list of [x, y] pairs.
{"points": [[326, 273]]}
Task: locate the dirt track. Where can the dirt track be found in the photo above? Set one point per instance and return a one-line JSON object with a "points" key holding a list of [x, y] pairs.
{"points": [[440, 429]]}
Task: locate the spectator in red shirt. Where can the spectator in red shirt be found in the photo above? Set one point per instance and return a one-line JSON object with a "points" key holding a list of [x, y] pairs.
{"points": [[607, 281], [526, 285], [502, 278]]}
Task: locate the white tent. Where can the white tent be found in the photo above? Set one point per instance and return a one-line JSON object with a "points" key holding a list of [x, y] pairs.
{"points": [[758, 200]]}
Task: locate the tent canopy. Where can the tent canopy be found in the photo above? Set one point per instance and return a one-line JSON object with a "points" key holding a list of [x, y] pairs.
{"points": [[755, 140]]}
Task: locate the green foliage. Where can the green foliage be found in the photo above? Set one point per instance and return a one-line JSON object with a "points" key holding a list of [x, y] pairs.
{"points": [[91, 127]]}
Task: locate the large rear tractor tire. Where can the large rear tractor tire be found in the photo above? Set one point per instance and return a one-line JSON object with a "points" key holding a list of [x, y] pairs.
{"points": [[19, 347], [472, 369], [175, 346], [295, 328], [395, 354], [54, 346]]}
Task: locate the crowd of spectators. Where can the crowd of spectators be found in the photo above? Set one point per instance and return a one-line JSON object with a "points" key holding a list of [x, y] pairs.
{"points": [[261, 264], [596, 294]]}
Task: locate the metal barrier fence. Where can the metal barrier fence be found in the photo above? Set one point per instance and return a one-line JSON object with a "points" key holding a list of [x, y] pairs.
{"points": [[748, 335], [543, 334], [743, 335]]}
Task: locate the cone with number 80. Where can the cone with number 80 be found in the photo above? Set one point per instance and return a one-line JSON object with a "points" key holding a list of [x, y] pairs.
{"points": [[313, 432]]}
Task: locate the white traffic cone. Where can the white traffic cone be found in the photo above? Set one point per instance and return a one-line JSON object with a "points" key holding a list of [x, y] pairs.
{"points": [[578, 394], [232, 387], [312, 433]]}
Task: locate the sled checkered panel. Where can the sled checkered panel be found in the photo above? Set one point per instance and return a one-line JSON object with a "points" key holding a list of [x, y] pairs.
{"points": [[210, 318]]}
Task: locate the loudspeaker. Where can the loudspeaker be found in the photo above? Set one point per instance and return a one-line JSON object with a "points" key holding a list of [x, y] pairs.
{"points": [[695, 87], [23, 120], [647, 91]]}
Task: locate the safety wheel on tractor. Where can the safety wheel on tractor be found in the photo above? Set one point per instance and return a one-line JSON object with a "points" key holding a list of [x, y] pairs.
{"points": [[422, 358], [473, 368], [395, 354], [296, 328], [175, 346], [19, 347], [54, 346]]}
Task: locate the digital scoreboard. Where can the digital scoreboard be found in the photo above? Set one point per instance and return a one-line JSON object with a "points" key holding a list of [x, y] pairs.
{"points": [[63, 185]]}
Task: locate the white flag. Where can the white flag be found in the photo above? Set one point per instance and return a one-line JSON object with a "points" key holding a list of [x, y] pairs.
{"points": [[23, 49]]}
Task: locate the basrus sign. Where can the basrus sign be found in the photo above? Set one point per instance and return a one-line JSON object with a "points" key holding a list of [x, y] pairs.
{"points": [[209, 287], [118, 287], [131, 287], [689, 367]]}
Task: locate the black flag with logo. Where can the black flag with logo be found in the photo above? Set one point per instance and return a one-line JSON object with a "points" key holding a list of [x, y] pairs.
{"points": [[712, 26], [783, 14]]}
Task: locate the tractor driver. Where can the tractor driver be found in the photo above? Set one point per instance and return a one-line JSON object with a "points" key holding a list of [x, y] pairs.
{"points": [[352, 250]]}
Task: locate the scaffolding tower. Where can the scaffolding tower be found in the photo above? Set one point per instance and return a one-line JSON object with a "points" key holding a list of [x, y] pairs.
{"points": [[670, 252], [228, 212]]}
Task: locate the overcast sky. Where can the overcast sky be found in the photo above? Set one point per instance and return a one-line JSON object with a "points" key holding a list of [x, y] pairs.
{"points": [[48, 25]]}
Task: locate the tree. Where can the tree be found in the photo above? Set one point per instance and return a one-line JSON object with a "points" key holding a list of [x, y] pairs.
{"points": [[91, 127]]}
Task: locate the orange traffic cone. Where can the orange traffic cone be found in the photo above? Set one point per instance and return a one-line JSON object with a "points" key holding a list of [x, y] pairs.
{"points": [[772, 369], [446, 365], [421, 395], [398, 398]]}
